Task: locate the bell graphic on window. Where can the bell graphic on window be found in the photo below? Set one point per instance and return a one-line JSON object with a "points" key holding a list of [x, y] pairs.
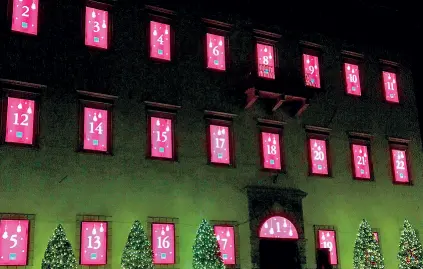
{"points": [[166, 31], [95, 117], [99, 115], [323, 237], [270, 56], [93, 14], [5, 235], [157, 123], [265, 49], [220, 43], [19, 228], [265, 225], [163, 232], [210, 44], [167, 129], [228, 234], [167, 228], [29, 110], [290, 232], [101, 228], [269, 139], [33, 6], [271, 231], [219, 132], [274, 141], [155, 32], [104, 24], [20, 106], [94, 231]]}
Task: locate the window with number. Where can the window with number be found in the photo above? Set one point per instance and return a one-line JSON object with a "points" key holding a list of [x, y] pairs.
{"points": [[160, 41], [20, 121], [361, 161], [376, 236], [14, 242], [95, 129], [25, 16], [278, 227], [352, 79], [318, 157], [93, 243], [163, 243], [390, 87], [265, 61], [96, 27], [311, 70], [327, 239], [161, 134], [225, 236], [220, 144], [216, 52], [271, 154], [399, 163]]}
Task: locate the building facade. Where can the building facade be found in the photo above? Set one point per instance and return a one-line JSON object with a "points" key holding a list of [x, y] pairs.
{"points": [[265, 133]]}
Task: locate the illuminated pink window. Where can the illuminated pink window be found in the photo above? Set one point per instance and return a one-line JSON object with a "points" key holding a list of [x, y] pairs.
{"points": [[327, 239], [376, 236], [219, 144], [25, 16], [278, 227], [20, 121], [216, 52], [361, 161], [14, 242], [225, 236], [311, 70], [265, 61], [96, 27], [352, 79], [391, 87], [160, 41], [318, 157], [271, 151], [93, 243], [161, 138], [95, 129], [163, 244], [399, 161]]}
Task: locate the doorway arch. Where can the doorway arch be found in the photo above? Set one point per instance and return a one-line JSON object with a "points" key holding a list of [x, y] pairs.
{"points": [[278, 227]]}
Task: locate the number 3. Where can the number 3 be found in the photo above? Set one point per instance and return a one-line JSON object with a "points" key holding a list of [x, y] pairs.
{"points": [[13, 239], [96, 27]]}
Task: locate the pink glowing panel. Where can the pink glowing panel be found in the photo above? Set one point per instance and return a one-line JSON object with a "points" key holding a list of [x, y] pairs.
{"points": [[93, 243], [311, 71], [25, 16], [225, 236], [20, 121], [265, 61], [352, 79], [219, 144], [327, 239], [399, 161], [376, 236], [159, 41], [278, 227], [391, 87], [319, 161], [163, 243], [271, 151], [216, 52], [161, 138], [96, 27], [361, 161], [14, 242], [95, 129]]}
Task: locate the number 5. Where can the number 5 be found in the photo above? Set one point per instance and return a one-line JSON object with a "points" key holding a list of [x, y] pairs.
{"points": [[14, 240]]}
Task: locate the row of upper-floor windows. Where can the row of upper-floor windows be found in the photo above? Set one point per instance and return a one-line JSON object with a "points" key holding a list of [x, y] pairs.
{"points": [[161, 47], [21, 116]]}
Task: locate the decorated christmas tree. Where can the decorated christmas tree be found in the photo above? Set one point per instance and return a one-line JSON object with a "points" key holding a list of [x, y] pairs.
{"points": [[410, 250], [367, 253], [59, 252], [206, 250], [137, 253]]}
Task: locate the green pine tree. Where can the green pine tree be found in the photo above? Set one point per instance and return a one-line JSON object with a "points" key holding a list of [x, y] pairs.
{"points": [[206, 250], [59, 252], [367, 253], [137, 253], [410, 253]]}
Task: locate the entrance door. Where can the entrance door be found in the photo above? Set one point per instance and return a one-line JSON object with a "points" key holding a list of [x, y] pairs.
{"points": [[279, 254]]}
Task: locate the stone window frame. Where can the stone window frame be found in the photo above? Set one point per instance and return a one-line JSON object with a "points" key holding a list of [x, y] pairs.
{"points": [[170, 220], [365, 139], [315, 132], [316, 239], [377, 230], [99, 218], [30, 250], [235, 225], [400, 144]]}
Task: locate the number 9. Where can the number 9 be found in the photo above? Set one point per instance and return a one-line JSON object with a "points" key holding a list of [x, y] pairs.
{"points": [[311, 68]]}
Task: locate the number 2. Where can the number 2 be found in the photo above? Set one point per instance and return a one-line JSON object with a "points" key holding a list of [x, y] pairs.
{"points": [[97, 241], [25, 13], [24, 122]]}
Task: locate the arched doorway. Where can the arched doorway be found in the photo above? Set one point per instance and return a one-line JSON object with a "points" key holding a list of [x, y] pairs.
{"points": [[278, 244]]}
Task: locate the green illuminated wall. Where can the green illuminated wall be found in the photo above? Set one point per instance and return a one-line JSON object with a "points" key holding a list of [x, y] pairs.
{"points": [[127, 186]]}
